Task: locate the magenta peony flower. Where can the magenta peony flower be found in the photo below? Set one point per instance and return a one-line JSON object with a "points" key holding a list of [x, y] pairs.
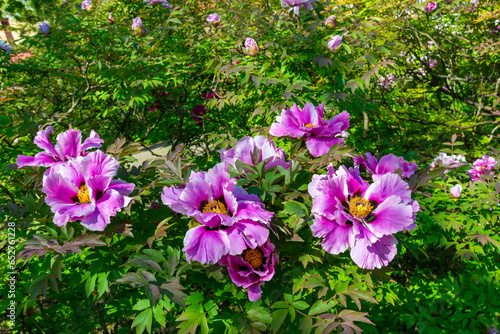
{"points": [[251, 47], [430, 7], [334, 43], [456, 191], [266, 151], [296, 4], [386, 83], [432, 63], [387, 164], [331, 22], [251, 268], [6, 47], [84, 189], [137, 26], [350, 213], [44, 28], [198, 110], [87, 4], [482, 166], [308, 123], [213, 18], [229, 219], [69, 146]]}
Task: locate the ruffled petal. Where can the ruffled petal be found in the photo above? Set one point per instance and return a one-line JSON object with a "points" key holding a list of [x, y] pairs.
{"points": [[246, 234], [319, 146], [254, 292], [205, 246], [42, 140], [375, 255], [392, 216], [388, 185], [60, 191], [93, 141], [99, 163], [121, 186], [253, 211], [69, 144]]}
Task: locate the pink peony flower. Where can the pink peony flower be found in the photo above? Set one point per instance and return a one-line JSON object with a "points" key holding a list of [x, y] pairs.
{"points": [[87, 4], [430, 7], [84, 189], [308, 123], [456, 191], [334, 43], [137, 26], [449, 161], [69, 146], [432, 63], [213, 18], [111, 18], [387, 164], [252, 268], [351, 214], [228, 219], [295, 5], [387, 82], [482, 166]]}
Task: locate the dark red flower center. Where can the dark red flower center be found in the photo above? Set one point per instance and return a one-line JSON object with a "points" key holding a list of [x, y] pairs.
{"points": [[254, 257]]}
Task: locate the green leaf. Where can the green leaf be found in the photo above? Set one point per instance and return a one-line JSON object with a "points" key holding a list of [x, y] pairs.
{"points": [[300, 305], [280, 305], [90, 284], [158, 313], [278, 318], [320, 306], [260, 314], [305, 325], [142, 304], [143, 321], [103, 285]]}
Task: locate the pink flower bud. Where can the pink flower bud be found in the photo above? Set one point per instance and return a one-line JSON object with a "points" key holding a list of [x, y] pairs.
{"points": [[456, 191], [334, 43], [111, 18], [137, 26], [251, 46], [331, 22], [213, 18], [430, 7], [87, 4]]}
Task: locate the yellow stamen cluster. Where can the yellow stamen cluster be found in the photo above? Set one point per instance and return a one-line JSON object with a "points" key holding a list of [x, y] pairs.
{"points": [[254, 258], [215, 206], [360, 207], [309, 125], [83, 194]]}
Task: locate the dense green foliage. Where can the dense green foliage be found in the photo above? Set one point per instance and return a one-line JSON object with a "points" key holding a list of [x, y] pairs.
{"points": [[92, 73]]}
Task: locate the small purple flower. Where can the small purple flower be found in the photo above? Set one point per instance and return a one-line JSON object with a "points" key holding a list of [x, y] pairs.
{"points": [[430, 7], [331, 22], [432, 63], [252, 268], [260, 147], [213, 18], [386, 83], [154, 205], [87, 4], [44, 28], [308, 123], [493, 329], [350, 213], [6, 47], [111, 18], [456, 191], [296, 4], [388, 164], [69, 146], [334, 43], [84, 189], [449, 161], [482, 166], [15, 141], [251, 46], [137, 26], [228, 219]]}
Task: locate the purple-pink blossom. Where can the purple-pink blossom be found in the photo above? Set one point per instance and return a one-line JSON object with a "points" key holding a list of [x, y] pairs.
{"points": [[228, 219], [320, 135], [334, 42], [137, 25], [386, 82], [84, 189], [432, 63], [164, 3], [331, 22], [448, 161], [482, 166], [295, 5], [456, 191], [87, 4], [430, 7], [251, 46], [352, 214], [252, 268], [69, 146], [213, 18], [111, 18], [258, 148], [197, 111], [387, 164]]}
